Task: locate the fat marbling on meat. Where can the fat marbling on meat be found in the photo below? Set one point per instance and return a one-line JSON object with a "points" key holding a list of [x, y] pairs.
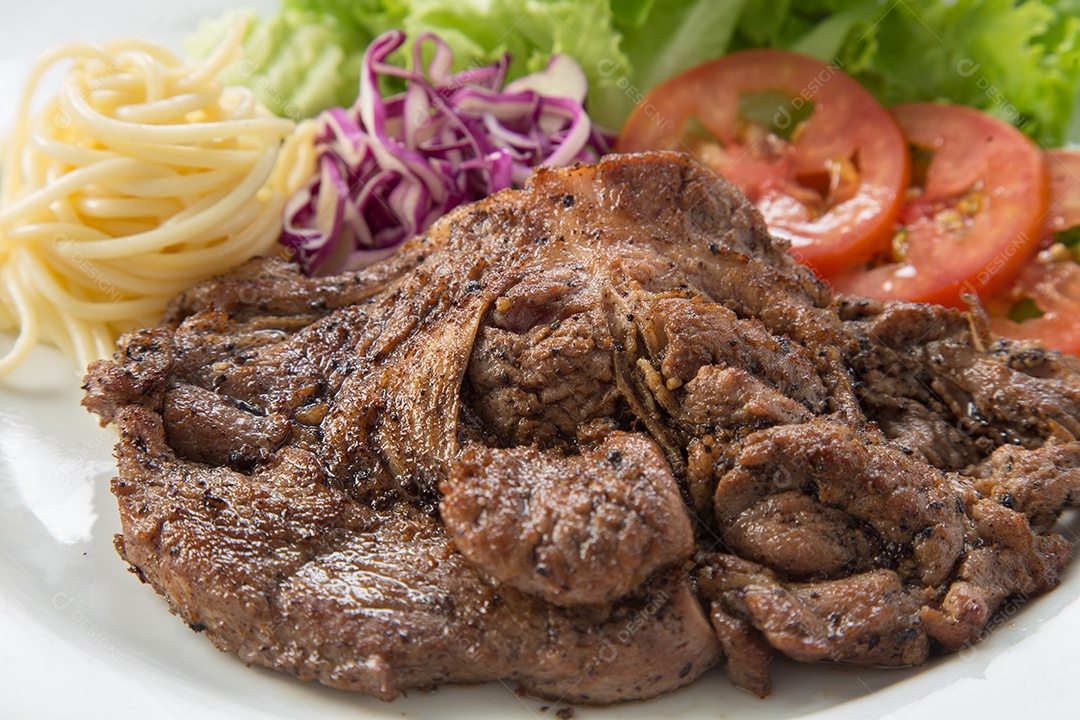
{"points": [[594, 436]]}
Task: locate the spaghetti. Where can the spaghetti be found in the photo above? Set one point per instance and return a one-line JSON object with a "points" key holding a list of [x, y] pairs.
{"points": [[139, 178]]}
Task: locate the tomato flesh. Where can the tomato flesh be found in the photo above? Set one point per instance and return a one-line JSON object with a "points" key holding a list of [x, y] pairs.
{"points": [[832, 187], [972, 224]]}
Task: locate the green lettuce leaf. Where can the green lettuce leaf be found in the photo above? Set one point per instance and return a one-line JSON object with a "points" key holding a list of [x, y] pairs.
{"points": [[298, 62], [1018, 60], [306, 57], [480, 31], [676, 36]]}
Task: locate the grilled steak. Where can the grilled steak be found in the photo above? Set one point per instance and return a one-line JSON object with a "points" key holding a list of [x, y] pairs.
{"points": [[594, 436]]}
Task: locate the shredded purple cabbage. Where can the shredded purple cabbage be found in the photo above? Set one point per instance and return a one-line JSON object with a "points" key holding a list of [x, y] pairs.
{"points": [[389, 167]]}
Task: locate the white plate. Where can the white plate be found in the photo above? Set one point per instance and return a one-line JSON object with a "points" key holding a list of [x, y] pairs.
{"points": [[80, 637]]}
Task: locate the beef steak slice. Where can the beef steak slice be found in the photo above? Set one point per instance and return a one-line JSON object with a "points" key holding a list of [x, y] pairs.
{"points": [[594, 436]]}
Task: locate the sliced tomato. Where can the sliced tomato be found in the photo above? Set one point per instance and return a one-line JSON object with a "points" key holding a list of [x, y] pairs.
{"points": [[1063, 208], [1053, 288], [1048, 289], [971, 221], [824, 162]]}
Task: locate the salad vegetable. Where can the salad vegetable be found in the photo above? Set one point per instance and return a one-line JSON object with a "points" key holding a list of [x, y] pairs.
{"points": [[1019, 61], [298, 61], [390, 166], [1047, 296], [829, 169], [1044, 302], [824, 162], [306, 58], [971, 219]]}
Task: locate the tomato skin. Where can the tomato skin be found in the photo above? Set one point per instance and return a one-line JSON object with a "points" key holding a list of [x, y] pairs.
{"points": [[846, 125], [977, 160]]}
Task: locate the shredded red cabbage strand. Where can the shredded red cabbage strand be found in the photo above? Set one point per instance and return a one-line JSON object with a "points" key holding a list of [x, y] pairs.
{"points": [[389, 167]]}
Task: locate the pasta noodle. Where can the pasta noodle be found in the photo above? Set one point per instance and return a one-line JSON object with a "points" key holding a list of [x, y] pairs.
{"points": [[139, 178]]}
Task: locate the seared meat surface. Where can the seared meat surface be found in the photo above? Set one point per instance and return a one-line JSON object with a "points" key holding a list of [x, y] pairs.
{"points": [[578, 529], [594, 436]]}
